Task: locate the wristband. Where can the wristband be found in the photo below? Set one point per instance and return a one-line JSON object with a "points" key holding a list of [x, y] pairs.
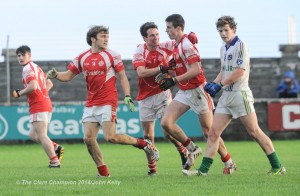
{"points": [[221, 84]]}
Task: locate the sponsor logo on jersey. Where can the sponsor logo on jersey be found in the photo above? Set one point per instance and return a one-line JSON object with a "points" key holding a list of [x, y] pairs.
{"points": [[239, 61], [101, 63]]}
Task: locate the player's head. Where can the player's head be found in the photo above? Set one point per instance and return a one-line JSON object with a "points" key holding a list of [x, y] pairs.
{"points": [[98, 36], [175, 25], [224, 20], [23, 54], [226, 27], [149, 31]]}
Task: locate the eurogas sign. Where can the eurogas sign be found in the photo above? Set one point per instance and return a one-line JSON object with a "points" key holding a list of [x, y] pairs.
{"points": [[66, 123]]}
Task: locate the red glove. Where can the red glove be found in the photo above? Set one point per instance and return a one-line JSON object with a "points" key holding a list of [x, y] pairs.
{"points": [[193, 37]]}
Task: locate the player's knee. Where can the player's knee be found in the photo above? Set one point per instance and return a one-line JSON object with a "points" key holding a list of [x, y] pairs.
{"points": [[33, 136], [165, 124], [89, 140], [205, 132], [212, 135], [254, 134]]}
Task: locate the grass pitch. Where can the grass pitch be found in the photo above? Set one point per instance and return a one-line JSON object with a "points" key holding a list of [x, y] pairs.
{"points": [[24, 172]]}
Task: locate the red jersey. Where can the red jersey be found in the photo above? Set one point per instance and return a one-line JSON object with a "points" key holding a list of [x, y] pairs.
{"points": [[39, 100], [151, 59], [185, 54], [99, 70]]}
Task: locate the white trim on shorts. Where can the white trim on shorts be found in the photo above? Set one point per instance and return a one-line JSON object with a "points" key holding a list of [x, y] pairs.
{"points": [[40, 116], [99, 114]]}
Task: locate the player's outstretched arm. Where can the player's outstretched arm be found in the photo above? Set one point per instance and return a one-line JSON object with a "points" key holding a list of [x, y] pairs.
{"points": [[61, 76]]}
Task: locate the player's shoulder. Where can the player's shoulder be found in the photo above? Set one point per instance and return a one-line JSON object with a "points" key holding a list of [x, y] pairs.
{"points": [[29, 66], [186, 43], [83, 53], [140, 48], [238, 42], [112, 52], [26, 67], [167, 44]]}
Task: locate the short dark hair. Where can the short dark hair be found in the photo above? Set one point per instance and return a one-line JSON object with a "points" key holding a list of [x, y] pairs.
{"points": [[23, 49], [93, 32], [148, 25], [224, 20], [177, 20]]}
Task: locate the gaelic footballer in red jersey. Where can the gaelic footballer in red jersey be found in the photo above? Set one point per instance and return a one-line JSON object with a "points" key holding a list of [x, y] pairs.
{"points": [[100, 66], [190, 80], [152, 58], [36, 88]]}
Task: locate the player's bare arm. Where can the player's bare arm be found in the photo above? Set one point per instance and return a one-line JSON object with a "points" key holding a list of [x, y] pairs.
{"points": [[49, 85], [144, 73], [191, 73], [218, 78], [32, 86], [236, 75], [61, 76], [124, 82]]}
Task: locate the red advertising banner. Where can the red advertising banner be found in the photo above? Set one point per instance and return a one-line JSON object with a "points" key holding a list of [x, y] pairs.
{"points": [[284, 116]]}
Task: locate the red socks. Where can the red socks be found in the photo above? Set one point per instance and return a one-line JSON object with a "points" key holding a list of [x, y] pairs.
{"points": [[226, 158], [140, 143], [103, 170], [181, 149], [187, 142], [152, 166]]}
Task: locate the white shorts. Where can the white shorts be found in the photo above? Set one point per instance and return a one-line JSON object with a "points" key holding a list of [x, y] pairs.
{"points": [[236, 103], [197, 99], [41, 116], [154, 106], [99, 114]]}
